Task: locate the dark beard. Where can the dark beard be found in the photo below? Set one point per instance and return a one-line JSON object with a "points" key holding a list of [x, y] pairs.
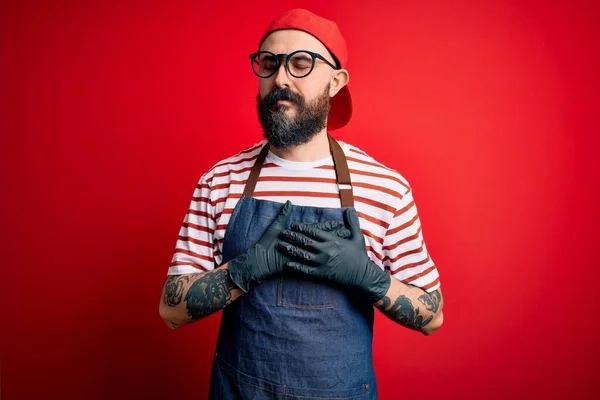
{"points": [[283, 132]]}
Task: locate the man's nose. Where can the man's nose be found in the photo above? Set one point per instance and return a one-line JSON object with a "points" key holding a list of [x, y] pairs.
{"points": [[282, 78]]}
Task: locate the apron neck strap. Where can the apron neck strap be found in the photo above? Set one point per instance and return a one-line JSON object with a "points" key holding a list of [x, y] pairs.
{"points": [[341, 171]]}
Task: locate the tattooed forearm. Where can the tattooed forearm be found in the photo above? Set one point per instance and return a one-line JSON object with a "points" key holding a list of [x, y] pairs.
{"points": [[174, 289], [209, 294], [190, 297], [413, 307], [403, 312], [431, 301]]}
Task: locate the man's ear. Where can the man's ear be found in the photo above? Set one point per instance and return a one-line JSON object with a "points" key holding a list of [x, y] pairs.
{"points": [[339, 79]]}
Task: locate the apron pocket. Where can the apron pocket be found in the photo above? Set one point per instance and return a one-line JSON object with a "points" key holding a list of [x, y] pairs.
{"points": [[303, 293]]}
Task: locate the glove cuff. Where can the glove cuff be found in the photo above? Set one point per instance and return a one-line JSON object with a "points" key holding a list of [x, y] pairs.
{"points": [[239, 272], [380, 284]]}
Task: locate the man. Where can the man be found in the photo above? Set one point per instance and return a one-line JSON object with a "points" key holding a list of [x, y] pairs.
{"points": [[298, 237]]}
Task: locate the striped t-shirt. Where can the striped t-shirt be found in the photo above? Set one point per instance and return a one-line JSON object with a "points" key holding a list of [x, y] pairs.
{"points": [[382, 198]]}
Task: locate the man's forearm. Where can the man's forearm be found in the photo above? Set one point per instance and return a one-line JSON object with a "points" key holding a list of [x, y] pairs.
{"points": [[413, 307], [189, 297]]}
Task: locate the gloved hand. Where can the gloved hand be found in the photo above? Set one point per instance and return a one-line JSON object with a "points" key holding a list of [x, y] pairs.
{"points": [[263, 260], [345, 261]]}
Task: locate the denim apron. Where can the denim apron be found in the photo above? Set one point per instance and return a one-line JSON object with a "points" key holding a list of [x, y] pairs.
{"points": [[292, 337]]}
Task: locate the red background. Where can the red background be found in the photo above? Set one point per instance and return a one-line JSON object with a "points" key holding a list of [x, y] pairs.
{"points": [[112, 111]]}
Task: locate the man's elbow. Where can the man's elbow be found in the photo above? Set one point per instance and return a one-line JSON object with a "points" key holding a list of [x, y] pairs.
{"points": [[434, 325], [166, 314]]}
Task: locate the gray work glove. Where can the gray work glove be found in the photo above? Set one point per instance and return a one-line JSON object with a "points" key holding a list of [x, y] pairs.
{"points": [[325, 256]]}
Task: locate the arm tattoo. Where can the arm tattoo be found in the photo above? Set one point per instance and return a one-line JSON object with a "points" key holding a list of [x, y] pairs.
{"points": [[209, 294], [174, 289], [403, 312], [431, 301]]}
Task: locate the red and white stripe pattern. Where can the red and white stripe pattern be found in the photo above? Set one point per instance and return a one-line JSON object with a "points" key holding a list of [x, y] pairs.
{"points": [[382, 198]]}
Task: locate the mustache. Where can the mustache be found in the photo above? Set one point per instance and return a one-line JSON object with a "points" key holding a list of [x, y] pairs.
{"points": [[282, 94]]}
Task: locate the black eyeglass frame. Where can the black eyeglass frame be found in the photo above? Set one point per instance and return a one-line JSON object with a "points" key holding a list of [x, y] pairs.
{"points": [[287, 57]]}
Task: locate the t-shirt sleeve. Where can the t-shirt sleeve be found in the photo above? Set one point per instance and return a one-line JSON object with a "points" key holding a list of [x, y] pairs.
{"points": [[194, 250], [404, 249]]}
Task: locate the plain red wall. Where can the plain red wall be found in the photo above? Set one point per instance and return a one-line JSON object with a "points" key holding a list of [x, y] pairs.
{"points": [[112, 111]]}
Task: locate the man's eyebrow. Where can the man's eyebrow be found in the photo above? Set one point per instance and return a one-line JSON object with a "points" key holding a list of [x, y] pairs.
{"points": [[302, 55]]}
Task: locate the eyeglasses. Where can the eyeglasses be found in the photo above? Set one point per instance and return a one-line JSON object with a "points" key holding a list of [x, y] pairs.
{"points": [[299, 63]]}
